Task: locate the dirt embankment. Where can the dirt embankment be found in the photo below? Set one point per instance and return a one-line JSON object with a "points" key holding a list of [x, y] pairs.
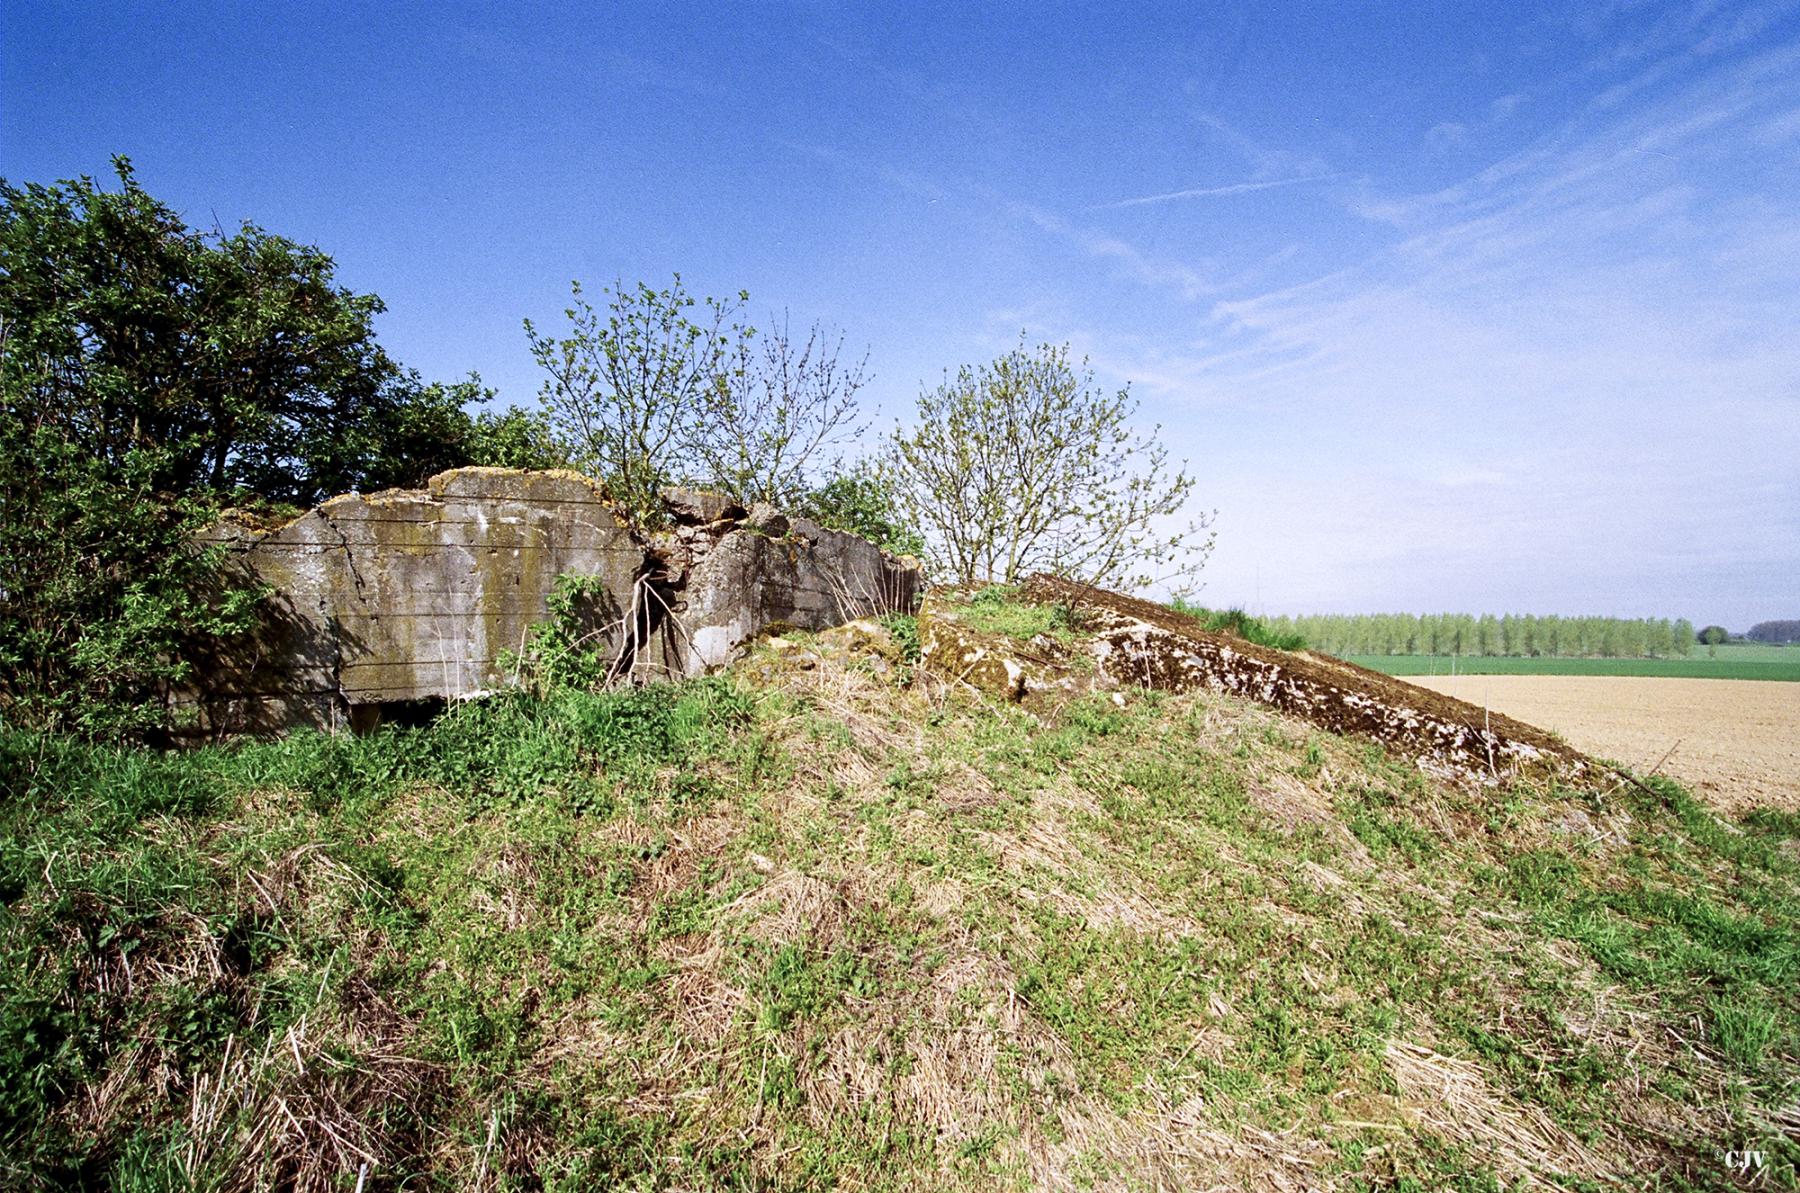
{"points": [[1138, 641], [1735, 742]]}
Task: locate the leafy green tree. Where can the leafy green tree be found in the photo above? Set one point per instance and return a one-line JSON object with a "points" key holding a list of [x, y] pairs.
{"points": [[235, 356], [627, 385], [435, 430], [427, 429], [860, 501], [148, 373], [1022, 465], [1711, 637], [1683, 637]]}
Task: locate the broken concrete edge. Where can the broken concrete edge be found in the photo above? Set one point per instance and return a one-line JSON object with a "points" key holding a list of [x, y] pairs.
{"points": [[699, 507], [412, 595], [235, 525], [1138, 643]]}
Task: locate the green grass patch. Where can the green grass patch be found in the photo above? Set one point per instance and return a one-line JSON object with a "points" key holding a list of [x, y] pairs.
{"points": [[1734, 662], [1243, 625], [997, 609], [843, 933]]}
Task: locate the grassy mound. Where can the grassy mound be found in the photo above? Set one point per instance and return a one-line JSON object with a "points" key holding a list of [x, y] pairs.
{"points": [[833, 932]]}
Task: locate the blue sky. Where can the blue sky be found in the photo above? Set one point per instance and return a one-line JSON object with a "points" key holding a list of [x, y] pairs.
{"points": [[1469, 306]]}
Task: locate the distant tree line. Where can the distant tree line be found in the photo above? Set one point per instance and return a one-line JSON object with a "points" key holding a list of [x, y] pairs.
{"points": [[1775, 633], [1488, 635]]}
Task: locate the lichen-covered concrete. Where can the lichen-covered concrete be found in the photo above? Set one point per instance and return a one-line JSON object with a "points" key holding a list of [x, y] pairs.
{"points": [[747, 582], [391, 598], [1131, 642]]}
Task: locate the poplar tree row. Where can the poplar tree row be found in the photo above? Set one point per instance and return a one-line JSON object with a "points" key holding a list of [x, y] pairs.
{"points": [[1519, 635]]}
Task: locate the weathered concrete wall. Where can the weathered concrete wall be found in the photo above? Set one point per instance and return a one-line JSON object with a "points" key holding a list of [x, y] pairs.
{"points": [[414, 595], [766, 572]]}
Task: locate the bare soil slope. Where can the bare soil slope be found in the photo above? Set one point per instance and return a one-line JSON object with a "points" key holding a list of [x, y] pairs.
{"points": [[1735, 742]]}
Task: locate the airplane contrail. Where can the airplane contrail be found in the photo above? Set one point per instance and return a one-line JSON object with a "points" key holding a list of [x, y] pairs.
{"points": [[1206, 192]]}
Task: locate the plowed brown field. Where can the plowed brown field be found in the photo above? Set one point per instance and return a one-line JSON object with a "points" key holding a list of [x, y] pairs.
{"points": [[1736, 743]]}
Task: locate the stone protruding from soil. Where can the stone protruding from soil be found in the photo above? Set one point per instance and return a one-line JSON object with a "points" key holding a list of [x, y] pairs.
{"points": [[388, 600], [1134, 642], [1035, 671]]}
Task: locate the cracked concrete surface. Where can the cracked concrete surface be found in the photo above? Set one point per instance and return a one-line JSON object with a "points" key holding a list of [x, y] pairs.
{"points": [[386, 599]]}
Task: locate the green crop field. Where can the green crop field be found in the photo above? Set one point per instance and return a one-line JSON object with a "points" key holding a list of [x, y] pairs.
{"points": [[1733, 662]]}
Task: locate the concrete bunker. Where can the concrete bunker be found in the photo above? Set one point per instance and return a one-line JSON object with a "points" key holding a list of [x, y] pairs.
{"points": [[388, 604]]}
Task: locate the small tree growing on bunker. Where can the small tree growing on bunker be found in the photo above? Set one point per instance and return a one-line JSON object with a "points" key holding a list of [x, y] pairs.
{"points": [[627, 384], [1023, 465], [663, 388], [786, 403]]}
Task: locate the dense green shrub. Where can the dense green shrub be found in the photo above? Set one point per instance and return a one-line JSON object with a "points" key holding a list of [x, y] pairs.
{"points": [[860, 502], [149, 374], [102, 592], [566, 649]]}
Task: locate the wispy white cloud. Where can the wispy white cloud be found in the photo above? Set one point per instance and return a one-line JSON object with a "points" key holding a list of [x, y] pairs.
{"points": [[1211, 192], [1184, 279], [1503, 107], [1507, 404], [1265, 161], [1189, 280]]}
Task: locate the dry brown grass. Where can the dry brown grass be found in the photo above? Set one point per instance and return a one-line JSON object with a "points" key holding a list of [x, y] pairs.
{"points": [[1052, 862], [297, 1115], [1453, 1098], [1170, 1144], [306, 1109], [945, 1053], [792, 908]]}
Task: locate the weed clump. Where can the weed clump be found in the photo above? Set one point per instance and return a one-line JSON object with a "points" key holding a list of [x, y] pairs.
{"points": [[1240, 624]]}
